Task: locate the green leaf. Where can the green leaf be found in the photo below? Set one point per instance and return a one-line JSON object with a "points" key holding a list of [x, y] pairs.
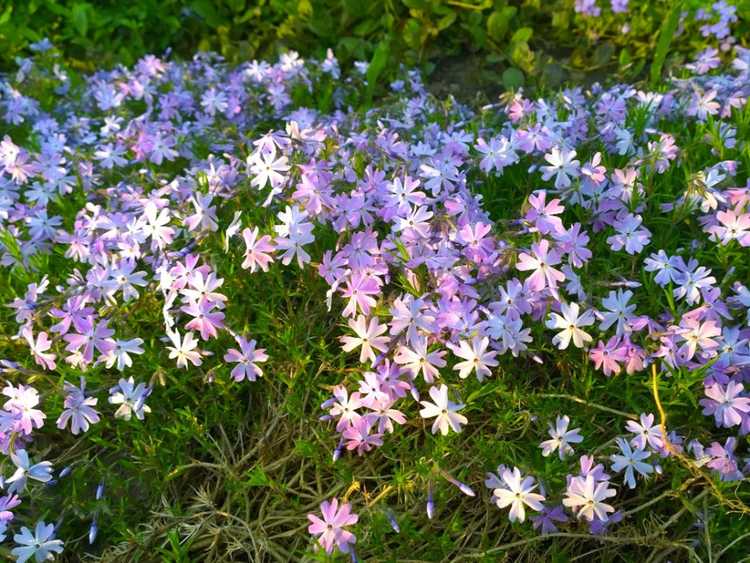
{"points": [[305, 448], [79, 18], [603, 53], [625, 58], [206, 10], [412, 33], [522, 35], [513, 78], [446, 21], [498, 23], [376, 67], [666, 33], [5, 17], [256, 477], [415, 4]]}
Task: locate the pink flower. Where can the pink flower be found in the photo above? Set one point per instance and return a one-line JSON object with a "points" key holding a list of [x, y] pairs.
{"points": [[344, 407], [734, 226], [39, 348], [608, 358], [384, 415], [359, 437], [697, 335], [258, 250], [541, 261], [544, 215], [330, 528], [20, 404], [359, 290], [206, 320]]}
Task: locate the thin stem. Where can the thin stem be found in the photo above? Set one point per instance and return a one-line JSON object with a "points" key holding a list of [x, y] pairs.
{"points": [[587, 403]]}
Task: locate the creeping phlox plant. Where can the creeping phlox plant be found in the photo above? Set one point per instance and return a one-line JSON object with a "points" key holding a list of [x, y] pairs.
{"points": [[604, 229]]}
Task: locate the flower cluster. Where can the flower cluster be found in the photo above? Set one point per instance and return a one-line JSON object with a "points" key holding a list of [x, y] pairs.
{"points": [[131, 187]]}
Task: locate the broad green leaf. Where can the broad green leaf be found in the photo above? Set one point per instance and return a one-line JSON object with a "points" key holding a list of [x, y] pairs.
{"points": [[513, 78], [666, 33], [522, 35], [498, 23], [5, 17], [79, 18], [376, 67]]}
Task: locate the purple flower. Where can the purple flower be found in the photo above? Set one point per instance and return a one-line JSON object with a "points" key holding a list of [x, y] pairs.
{"points": [[78, 409], [247, 358], [723, 460], [726, 403], [7, 503], [543, 215], [646, 433], [630, 236], [96, 335], [41, 471], [631, 461], [131, 398], [545, 520]]}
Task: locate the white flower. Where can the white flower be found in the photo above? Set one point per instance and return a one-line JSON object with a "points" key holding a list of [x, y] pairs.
{"points": [[184, 349], [516, 493], [562, 166], [476, 357], [368, 337], [561, 438], [444, 410], [40, 545], [586, 496], [569, 323], [266, 168]]}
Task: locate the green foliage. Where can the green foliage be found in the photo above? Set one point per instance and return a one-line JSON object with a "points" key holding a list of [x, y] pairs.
{"points": [[497, 34], [666, 33]]}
